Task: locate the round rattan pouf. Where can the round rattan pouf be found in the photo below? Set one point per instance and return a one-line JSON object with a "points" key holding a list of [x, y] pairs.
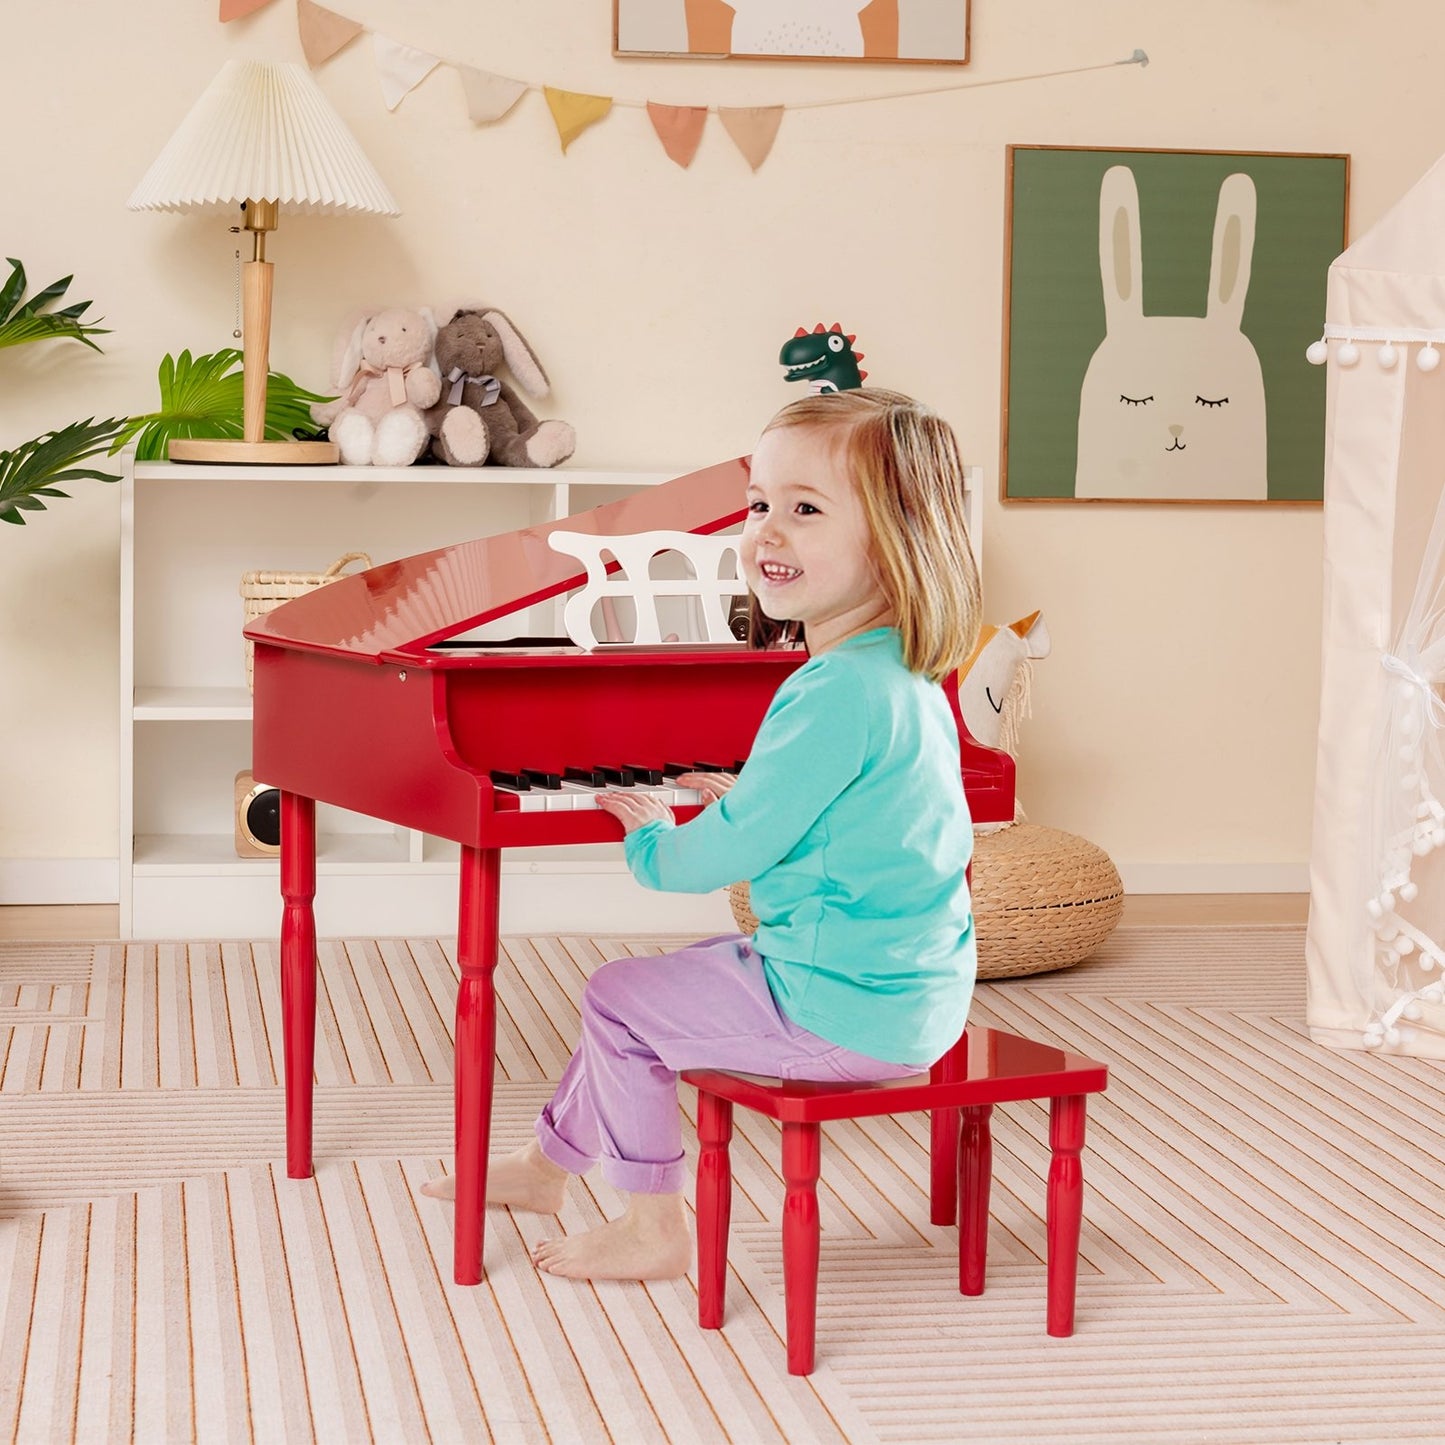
{"points": [[1042, 899]]}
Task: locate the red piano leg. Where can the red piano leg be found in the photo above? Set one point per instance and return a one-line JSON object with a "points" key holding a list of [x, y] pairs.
{"points": [[476, 1039], [298, 974]]}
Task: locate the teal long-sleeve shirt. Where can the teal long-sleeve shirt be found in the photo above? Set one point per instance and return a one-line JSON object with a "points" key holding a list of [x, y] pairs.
{"points": [[849, 822]]}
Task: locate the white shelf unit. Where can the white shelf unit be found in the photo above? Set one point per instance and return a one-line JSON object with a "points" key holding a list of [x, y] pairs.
{"points": [[188, 532]]}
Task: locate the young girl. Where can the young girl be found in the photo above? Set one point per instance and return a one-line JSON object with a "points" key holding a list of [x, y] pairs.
{"points": [[849, 820]]}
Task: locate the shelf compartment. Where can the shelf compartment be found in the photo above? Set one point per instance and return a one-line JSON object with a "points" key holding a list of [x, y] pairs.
{"points": [[191, 704], [182, 854]]}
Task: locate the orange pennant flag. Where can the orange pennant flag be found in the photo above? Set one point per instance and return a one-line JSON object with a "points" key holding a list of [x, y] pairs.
{"points": [[753, 129], [679, 128], [235, 9], [323, 32], [573, 112]]}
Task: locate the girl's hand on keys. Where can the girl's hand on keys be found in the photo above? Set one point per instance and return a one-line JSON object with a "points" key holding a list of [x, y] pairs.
{"points": [[711, 785], [632, 809]]}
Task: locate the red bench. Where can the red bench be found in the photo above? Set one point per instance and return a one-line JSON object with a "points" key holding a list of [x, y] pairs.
{"points": [[986, 1067]]}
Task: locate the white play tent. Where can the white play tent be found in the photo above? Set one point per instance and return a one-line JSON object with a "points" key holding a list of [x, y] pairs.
{"points": [[1376, 942]]}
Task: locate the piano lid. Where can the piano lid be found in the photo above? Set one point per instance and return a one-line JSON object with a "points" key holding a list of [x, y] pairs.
{"points": [[406, 605]]}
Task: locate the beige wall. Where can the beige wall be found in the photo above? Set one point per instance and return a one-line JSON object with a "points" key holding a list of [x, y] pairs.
{"points": [[1175, 723]]}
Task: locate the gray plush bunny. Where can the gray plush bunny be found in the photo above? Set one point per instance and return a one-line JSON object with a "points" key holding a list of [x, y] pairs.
{"points": [[480, 418]]}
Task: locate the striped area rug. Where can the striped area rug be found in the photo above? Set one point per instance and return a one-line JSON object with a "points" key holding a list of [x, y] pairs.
{"points": [[1261, 1255]]}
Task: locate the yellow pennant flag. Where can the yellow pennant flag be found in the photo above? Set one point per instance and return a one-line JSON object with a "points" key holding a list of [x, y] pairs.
{"points": [[753, 128], [679, 128], [323, 32], [574, 112], [235, 9]]}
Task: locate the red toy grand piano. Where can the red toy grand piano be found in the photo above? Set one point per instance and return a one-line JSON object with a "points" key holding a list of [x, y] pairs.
{"points": [[360, 703]]}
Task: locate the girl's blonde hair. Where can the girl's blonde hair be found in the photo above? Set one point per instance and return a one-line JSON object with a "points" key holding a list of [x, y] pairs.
{"points": [[904, 460]]}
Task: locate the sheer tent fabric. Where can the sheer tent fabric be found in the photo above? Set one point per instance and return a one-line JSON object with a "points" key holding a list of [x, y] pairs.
{"points": [[1375, 946]]}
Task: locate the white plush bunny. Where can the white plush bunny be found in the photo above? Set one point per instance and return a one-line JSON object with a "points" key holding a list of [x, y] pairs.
{"points": [[387, 377], [1173, 406]]}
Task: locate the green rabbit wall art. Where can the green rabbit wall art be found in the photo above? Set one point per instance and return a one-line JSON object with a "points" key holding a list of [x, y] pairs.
{"points": [[1173, 406]]}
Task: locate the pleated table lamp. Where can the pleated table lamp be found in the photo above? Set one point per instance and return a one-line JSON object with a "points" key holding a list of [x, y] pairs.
{"points": [[265, 139]]}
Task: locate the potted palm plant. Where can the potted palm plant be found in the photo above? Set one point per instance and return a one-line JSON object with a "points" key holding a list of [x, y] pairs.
{"points": [[200, 396], [203, 396], [32, 471]]}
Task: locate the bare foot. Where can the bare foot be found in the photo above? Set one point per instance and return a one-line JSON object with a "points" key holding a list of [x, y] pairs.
{"points": [[649, 1241], [525, 1179]]}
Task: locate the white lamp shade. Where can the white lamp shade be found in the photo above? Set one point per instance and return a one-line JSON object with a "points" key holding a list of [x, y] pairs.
{"points": [[263, 132]]}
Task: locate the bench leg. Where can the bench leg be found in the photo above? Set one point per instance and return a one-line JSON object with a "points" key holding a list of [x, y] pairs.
{"points": [[802, 1144], [1065, 1208], [943, 1139], [714, 1205], [975, 1176], [943, 1161]]}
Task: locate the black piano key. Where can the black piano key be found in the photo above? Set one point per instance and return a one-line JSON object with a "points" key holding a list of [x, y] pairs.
{"points": [[592, 777], [676, 770], [540, 778], [651, 777], [618, 777], [518, 782], [711, 768]]}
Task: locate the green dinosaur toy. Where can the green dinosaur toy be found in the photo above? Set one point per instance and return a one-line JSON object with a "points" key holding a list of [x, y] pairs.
{"points": [[822, 358]]}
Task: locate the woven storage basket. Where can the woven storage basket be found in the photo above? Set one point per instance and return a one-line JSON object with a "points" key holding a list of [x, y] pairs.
{"points": [[261, 591], [1042, 899]]}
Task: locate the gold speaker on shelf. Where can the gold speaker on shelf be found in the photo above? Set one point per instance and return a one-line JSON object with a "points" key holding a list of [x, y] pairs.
{"points": [[258, 818]]}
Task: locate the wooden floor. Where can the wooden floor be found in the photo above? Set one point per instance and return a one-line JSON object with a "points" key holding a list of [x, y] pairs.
{"points": [[1260, 1261], [103, 921]]}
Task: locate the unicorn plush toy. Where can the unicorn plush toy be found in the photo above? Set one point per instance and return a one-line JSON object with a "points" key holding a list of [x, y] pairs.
{"points": [[995, 685]]}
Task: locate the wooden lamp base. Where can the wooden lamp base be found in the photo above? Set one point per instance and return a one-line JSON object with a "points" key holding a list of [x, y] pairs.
{"points": [[252, 448], [259, 454]]}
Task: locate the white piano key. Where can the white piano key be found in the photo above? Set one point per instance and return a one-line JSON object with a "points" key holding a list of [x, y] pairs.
{"points": [[527, 801]]}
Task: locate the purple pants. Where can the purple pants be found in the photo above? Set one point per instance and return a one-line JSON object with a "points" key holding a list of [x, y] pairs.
{"points": [[644, 1020]]}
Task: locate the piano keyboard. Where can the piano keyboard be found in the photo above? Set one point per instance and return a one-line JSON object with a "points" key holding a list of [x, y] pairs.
{"points": [[539, 790]]}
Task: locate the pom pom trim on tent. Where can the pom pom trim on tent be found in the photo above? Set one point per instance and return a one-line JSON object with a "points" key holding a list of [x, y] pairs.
{"points": [[1391, 339]]}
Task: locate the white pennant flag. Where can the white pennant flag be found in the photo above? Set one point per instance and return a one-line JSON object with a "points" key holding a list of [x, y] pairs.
{"points": [[489, 97], [401, 67]]}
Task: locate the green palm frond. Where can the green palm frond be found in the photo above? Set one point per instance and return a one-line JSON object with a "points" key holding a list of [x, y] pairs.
{"points": [[31, 470], [22, 321], [203, 396]]}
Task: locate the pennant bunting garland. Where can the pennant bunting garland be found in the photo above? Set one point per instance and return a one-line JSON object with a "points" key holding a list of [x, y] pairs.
{"points": [[323, 32], [753, 128], [574, 112], [235, 9], [489, 97], [679, 128], [402, 68]]}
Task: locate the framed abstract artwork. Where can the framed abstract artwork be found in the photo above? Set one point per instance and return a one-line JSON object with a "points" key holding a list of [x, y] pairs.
{"points": [[1157, 307], [928, 32]]}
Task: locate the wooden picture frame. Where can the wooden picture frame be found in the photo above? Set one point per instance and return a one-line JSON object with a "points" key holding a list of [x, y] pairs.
{"points": [[892, 32], [1157, 307]]}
